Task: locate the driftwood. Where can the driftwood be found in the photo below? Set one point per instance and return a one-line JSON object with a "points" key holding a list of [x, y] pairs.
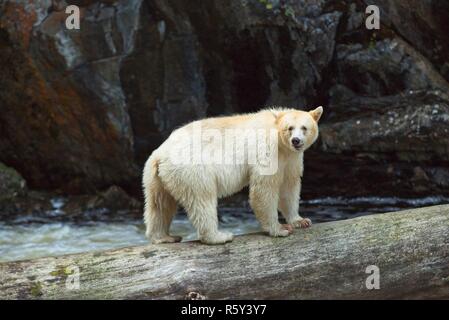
{"points": [[329, 260]]}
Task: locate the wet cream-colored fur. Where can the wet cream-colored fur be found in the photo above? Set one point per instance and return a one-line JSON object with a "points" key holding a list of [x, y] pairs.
{"points": [[197, 187]]}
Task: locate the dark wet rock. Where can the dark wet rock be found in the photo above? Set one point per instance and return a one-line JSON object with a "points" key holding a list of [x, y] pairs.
{"points": [[410, 127], [31, 204], [106, 205], [419, 179], [440, 175], [114, 198], [12, 185], [81, 110], [387, 67], [113, 204], [64, 120], [423, 24]]}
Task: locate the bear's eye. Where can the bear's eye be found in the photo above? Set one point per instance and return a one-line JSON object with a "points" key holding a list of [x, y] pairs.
{"points": [[290, 128], [303, 128]]}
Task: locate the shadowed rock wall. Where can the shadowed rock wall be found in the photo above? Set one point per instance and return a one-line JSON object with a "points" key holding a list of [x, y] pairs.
{"points": [[82, 110]]}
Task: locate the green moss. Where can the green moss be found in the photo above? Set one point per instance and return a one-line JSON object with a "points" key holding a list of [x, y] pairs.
{"points": [[61, 271], [277, 8], [36, 289]]}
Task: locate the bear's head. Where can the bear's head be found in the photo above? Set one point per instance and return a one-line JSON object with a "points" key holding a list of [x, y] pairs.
{"points": [[298, 130]]}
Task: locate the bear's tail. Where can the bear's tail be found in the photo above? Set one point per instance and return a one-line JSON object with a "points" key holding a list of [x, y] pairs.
{"points": [[160, 206]]}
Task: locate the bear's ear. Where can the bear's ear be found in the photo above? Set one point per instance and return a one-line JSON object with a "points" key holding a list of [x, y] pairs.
{"points": [[316, 113], [277, 113]]}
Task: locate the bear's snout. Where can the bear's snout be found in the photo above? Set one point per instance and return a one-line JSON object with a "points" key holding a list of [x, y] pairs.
{"points": [[297, 143]]}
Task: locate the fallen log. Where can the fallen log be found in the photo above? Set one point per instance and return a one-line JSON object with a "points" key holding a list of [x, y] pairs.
{"points": [[409, 249]]}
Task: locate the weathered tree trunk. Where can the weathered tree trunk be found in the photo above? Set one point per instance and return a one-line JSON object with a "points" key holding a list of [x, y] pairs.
{"points": [[330, 260]]}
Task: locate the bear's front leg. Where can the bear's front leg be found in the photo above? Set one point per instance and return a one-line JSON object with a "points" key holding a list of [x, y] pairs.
{"points": [[263, 197], [289, 202]]}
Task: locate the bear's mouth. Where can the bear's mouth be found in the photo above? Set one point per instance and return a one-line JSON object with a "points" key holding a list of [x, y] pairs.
{"points": [[298, 147]]}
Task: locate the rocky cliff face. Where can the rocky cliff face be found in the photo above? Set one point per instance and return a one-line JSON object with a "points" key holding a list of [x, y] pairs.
{"points": [[82, 110]]}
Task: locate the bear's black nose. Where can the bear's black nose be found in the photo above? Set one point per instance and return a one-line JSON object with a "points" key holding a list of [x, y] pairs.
{"points": [[296, 142]]}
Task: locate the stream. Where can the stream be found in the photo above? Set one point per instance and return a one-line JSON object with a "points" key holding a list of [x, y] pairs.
{"points": [[52, 233]]}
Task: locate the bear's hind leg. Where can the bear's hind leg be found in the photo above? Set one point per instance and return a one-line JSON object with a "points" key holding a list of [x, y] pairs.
{"points": [[158, 218], [203, 215]]}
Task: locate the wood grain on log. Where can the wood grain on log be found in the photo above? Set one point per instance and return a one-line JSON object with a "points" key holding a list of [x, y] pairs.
{"points": [[329, 260]]}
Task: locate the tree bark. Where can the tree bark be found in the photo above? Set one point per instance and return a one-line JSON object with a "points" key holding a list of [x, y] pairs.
{"points": [[328, 261]]}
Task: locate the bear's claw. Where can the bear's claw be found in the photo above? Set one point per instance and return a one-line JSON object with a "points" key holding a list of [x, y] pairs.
{"points": [[303, 223], [284, 230], [287, 227], [166, 239]]}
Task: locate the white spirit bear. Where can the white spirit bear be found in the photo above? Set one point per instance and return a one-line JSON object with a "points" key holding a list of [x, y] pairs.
{"points": [[217, 157]]}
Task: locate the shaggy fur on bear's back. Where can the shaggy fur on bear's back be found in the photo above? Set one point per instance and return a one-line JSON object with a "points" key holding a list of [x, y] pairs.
{"points": [[216, 157]]}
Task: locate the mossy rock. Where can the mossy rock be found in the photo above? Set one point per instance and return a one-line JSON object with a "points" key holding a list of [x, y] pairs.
{"points": [[11, 183]]}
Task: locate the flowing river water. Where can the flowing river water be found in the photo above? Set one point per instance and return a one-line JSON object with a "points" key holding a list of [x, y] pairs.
{"points": [[51, 233]]}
